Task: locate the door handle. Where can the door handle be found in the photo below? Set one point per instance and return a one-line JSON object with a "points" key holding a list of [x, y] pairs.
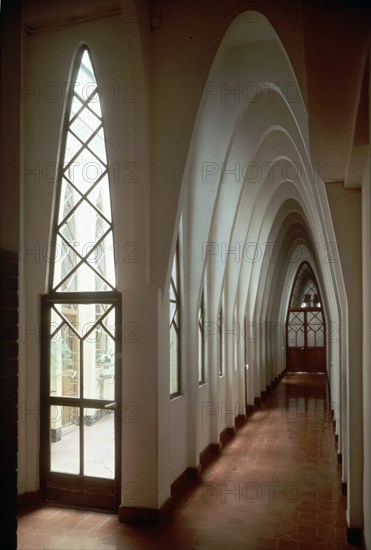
{"points": [[111, 406]]}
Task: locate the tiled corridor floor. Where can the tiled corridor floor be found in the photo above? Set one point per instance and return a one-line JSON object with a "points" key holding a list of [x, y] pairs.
{"points": [[275, 487]]}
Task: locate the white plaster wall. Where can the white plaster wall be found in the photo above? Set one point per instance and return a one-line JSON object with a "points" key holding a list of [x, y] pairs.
{"points": [[347, 217]]}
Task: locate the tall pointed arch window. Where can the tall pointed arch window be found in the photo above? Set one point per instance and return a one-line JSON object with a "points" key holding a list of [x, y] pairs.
{"points": [[201, 341], [83, 226], [236, 334], [175, 341], [221, 341], [81, 313]]}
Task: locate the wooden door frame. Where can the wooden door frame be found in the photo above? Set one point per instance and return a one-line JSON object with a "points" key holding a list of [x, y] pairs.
{"points": [[305, 310], [75, 489]]}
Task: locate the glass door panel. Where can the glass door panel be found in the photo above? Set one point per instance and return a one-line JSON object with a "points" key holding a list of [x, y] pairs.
{"points": [[296, 332], [305, 324], [99, 444], [64, 439], [315, 329], [80, 398]]}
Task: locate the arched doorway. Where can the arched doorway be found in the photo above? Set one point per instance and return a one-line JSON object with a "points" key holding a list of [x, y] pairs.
{"points": [[305, 325]]}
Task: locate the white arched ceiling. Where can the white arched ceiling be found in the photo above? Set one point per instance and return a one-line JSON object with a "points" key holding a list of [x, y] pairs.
{"points": [[249, 181]]}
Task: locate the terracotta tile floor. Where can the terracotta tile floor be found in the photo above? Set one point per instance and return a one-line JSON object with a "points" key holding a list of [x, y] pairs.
{"points": [[275, 487]]}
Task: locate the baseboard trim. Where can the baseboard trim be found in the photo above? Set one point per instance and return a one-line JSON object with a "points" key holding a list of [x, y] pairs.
{"points": [[240, 421], [209, 455], [194, 472], [355, 536], [250, 410], [183, 481], [226, 436], [28, 500], [258, 402], [216, 448], [147, 516]]}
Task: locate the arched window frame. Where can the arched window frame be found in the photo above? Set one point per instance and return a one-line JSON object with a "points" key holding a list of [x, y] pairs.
{"points": [[236, 340], [175, 325], [221, 366], [61, 168], [201, 341], [54, 303]]}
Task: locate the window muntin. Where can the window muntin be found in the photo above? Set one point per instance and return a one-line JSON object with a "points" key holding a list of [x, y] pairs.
{"points": [[82, 313], [315, 329], [174, 333], [296, 329], [305, 292], [84, 259], [305, 325]]}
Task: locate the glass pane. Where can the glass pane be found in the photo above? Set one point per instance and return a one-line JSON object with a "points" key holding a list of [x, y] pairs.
{"points": [[85, 315], [65, 363], [97, 146], [320, 338], [64, 439], [96, 328], [85, 82], [305, 292], [85, 170], [172, 290], [85, 124], [291, 337], [174, 382], [99, 196], [99, 443], [85, 185], [72, 147], [82, 317], [200, 355], [311, 338], [86, 280], [173, 308], [89, 225], [315, 334], [65, 261], [102, 258], [99, 365], [109, 320], [75, 106], [69, 197], [56, 322], [94, 105], [295, 329]]}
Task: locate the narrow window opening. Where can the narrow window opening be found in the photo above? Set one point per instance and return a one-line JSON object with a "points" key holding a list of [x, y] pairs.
{"points": [[221, 342], [201, 341], [80, 385], [175, 342]]}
